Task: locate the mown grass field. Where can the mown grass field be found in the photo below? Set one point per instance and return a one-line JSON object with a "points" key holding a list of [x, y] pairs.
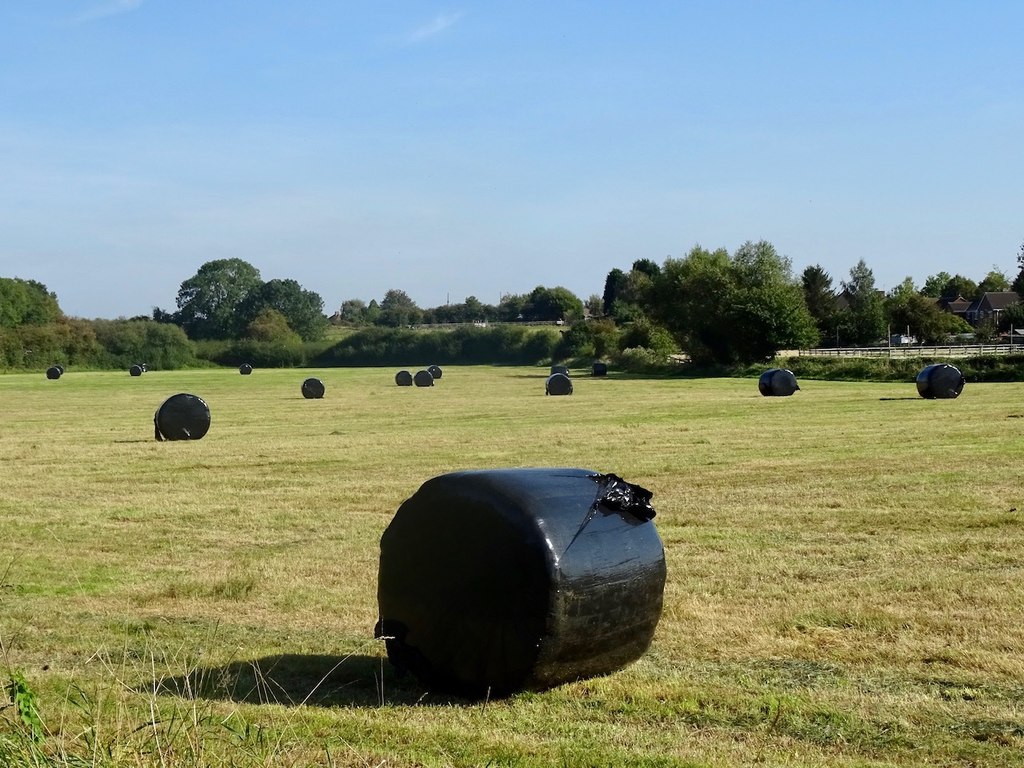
{"points": [[845, 571]]}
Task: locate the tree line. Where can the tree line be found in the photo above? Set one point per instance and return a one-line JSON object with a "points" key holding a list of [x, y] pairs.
{"points": [[712, 306]]}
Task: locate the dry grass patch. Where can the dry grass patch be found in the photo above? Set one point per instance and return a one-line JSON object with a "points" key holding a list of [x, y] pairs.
{"points": [[844, 571]]}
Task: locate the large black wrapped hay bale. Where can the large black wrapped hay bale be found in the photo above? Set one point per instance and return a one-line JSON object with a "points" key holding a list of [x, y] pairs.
{"points": [[600, 368], [423, 379], [312, 389], [135, 370], [435, 371], [495, 581], [54, 372], [558, 384], [940, 380], [777, 382], [182, 417], [245, 369], [560, 369], [404, 379]]}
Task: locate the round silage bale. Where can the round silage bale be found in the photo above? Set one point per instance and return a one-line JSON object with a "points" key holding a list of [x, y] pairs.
{"points": [[600, 368], [245, 369], [403, 379], [777, 382], [312, 389], [558, 384], [940, 380], [496, 581], [182, 417], [560, 369], [423, 379], [434, 371], [54, 372], [135, 370]]}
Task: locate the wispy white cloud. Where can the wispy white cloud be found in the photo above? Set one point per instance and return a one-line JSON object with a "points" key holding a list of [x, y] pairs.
{"points": [[434, 27], [105, 9]]}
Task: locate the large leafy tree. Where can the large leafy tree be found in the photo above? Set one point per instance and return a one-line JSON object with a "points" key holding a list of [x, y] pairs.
{"points": [[398, 309], [947, 286], [303, 310], [556, 303], [724, 309], [271, 326], [919, 316], [1018, 281], [958, 285], [26, 302], [767, 312], [689, 299], [996, 280], [613, 285], [820, 299], [208, 302], [862, 321], [935, 284]]}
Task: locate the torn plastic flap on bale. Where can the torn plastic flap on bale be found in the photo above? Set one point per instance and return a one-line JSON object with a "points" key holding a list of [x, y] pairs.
{"points": [[615, 493]]}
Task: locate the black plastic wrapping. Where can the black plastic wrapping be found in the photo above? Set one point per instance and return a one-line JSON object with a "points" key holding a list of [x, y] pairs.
{"points": [[135, 370], [245, 369], [423, 379], [560, 369], [182, 417], [403, 379], [777, 382], [600, 368], [940, 380], [435, 371], [496, 581], [312, 389], [54, 372], [558, 384]]}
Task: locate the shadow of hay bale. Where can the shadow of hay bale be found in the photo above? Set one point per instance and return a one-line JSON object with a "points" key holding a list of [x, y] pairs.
{"points": [[358, 680]]}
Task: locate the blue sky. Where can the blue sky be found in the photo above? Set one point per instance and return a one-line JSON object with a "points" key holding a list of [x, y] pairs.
{"points": [[480, 149]]}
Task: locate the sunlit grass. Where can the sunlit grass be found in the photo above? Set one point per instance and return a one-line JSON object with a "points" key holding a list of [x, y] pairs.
{"points": [[845, 569]]}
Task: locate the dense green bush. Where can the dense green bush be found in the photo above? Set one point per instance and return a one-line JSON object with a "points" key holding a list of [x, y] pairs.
{"points": [[465, 345], [160, 346], [586, 341], [260, 354], [67, 342]]}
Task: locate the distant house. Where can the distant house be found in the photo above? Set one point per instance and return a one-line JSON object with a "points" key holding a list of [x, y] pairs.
{"points": [[955, 306], [990, 305]]}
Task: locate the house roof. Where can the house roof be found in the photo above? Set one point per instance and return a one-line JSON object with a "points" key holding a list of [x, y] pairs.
{"points": [[957, 305], [992, 302], [998, 300]]}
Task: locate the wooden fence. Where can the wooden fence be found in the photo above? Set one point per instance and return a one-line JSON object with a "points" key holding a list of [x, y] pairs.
{"points": [[954, 350]]}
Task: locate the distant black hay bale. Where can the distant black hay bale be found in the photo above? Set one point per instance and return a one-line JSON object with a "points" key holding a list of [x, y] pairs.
{"points": [[404, 379], [245, 369], [54, 372], [312, 389], [182, 417], [558, 384], [135, 370], [496, 581], [940, 380], [423, 379], [600, 368], [777, 382], [560, 369], [434, 371]]}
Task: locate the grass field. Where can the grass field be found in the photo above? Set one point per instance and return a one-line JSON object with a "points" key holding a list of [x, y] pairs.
{"points": [[845, 571]]}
